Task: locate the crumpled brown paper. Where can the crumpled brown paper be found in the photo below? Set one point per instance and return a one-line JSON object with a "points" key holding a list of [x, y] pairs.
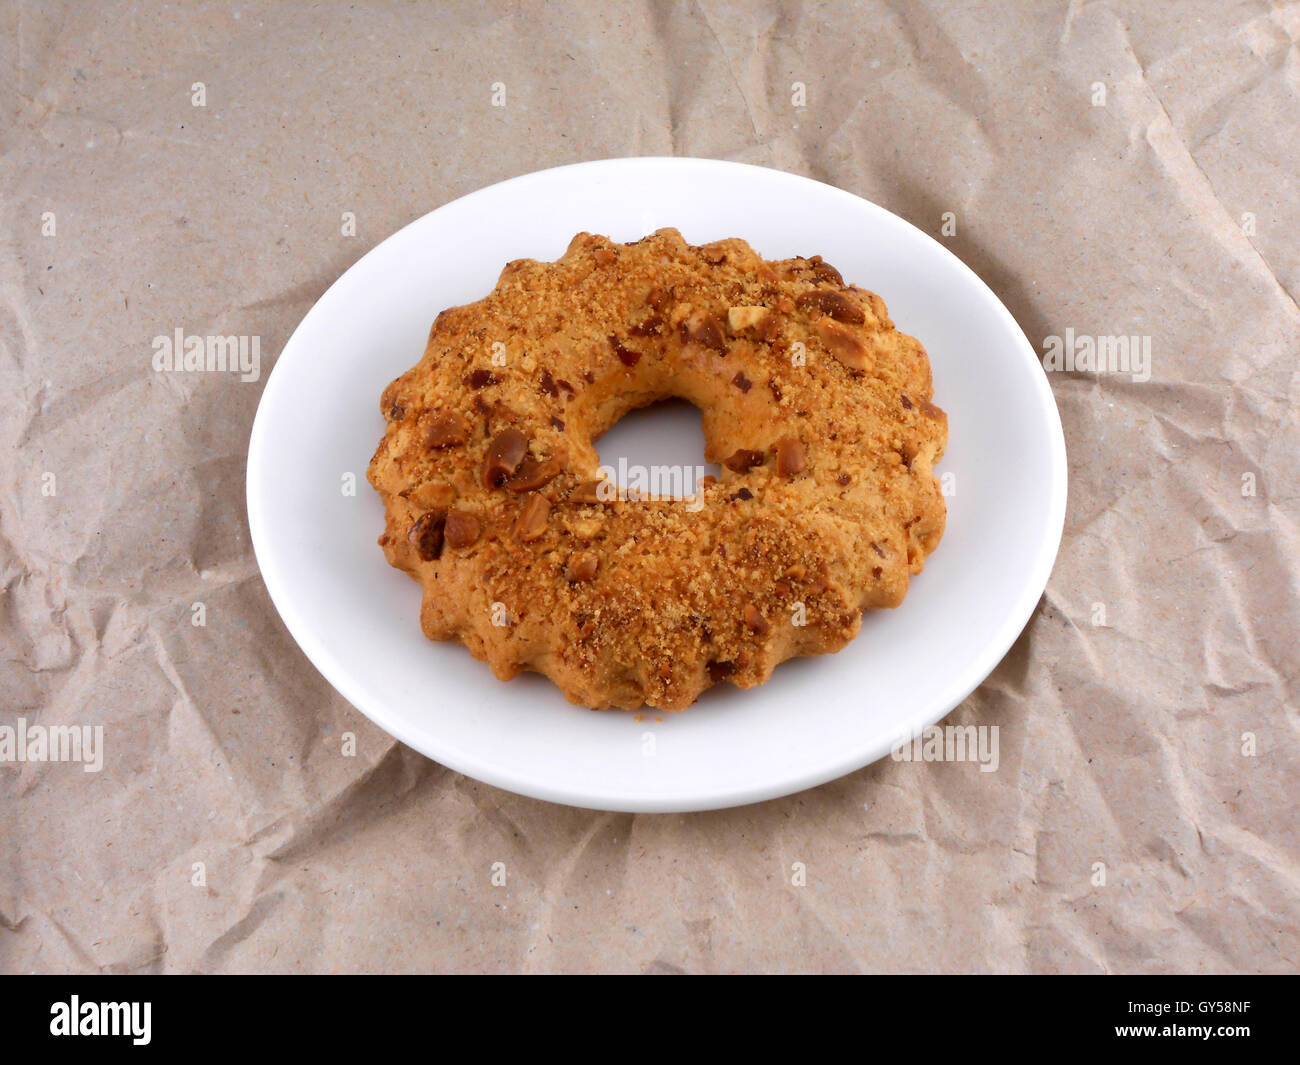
{"points": [[1113, 169]]}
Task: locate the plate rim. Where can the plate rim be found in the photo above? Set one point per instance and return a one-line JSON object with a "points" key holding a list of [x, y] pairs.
{"points": [[632, 801]]}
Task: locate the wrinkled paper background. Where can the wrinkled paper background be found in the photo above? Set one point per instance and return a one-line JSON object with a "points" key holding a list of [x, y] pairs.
{"points": [[1169, 210]]}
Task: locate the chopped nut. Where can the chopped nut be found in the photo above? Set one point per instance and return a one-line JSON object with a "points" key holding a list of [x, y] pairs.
{"points": [[907, 403], [425, 534], [658, 298], [605, 256], [845, 344], [532, 518], [481, 379], [769, 330], [444, 430], [582, 566], [533, 473], [432, 495], [742, 382], [742, 494], [824, 271], [547, 384], [462, 528], [649, 328], [796, 572], [558, 422], [789, 456], [705, 329], [740, 318], [757, 624], [743, 460], [626, 356], [504, 454], [835, 304], [592, 492]]}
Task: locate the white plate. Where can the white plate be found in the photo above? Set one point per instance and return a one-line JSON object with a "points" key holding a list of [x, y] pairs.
{"points": [[358, 620]]}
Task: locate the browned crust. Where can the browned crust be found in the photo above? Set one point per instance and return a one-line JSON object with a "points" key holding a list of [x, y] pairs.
{"points": [[783, 360]]}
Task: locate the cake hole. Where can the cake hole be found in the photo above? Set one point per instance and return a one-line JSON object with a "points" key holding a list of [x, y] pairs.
{"points": [[658, 449]]}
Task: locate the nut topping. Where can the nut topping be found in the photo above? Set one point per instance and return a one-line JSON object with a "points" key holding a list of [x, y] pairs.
{"points": [[704, 329], [649, 328], [824, 271], [532, 518], [594, 492], [658, 298], [739, 318], [533, 473], [755, 621], [481, 379], [789, 456], [462, 528], [425, 534], [845, 344], [431, 495], [743, 460], [626, 356], [835, 304], [444, 430], [582, 567], [504, 454]]}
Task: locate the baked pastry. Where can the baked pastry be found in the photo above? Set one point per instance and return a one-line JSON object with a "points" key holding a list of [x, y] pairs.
{"points": [[817, 410]]}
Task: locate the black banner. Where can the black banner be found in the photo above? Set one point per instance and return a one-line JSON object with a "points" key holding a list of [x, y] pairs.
{"points": [[341, 1013]]}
